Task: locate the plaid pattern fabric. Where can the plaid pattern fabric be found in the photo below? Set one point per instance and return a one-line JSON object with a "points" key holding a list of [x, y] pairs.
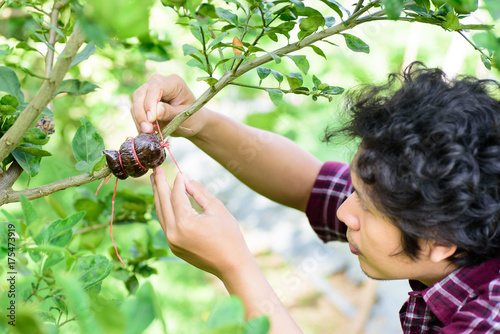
{"points": [[467, 301], [332, 187]]}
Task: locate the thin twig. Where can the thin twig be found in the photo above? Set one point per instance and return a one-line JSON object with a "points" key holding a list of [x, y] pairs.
{"points": [[285, 91], [221, 55], [2, 2], [9, 196], [12, 137], [472, 43], [358, 6], [91, 228]]}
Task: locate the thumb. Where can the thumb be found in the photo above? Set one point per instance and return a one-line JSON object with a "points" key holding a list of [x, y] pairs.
{"points": [[165, 112], [205, 199]]}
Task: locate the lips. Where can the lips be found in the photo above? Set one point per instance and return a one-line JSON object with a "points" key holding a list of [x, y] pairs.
{"points": [[354, 250]]}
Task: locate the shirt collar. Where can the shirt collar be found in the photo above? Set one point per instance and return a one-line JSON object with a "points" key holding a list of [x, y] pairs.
{"points": [[447, 296]]}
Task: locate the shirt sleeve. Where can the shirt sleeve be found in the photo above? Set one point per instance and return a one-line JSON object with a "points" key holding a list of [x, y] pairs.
{"points": [[332, 187]]}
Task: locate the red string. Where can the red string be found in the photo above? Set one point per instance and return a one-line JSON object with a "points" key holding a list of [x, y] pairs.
{"points": [[121, 163], [135, 155], [111, 226], [163, 143]]}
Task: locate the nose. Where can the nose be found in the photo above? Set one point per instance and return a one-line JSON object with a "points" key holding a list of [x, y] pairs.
{"points": [[349, 213]]}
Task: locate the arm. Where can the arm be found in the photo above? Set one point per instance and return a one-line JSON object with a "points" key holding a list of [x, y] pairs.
{"points": [[212, 241], [268, 163]]}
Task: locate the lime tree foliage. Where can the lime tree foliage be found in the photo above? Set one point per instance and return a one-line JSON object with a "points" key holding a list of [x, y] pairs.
{"points": [[61, 267]]}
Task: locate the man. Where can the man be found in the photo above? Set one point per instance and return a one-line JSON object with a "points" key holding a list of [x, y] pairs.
{"points": [[420, 201]]}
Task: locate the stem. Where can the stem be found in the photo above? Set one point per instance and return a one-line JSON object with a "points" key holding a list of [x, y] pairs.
{"points": [[9, 196], [12, 137], [68, 320], [228, 77], [221, 55], [91, 228], [205, 52], [285, 91], [473, 45], [2, 2], [358, 6], [360, 12]]}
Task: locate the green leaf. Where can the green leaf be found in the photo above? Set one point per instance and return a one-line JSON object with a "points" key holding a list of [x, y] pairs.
{"points": [[99, 165], [301, 62], [154, 51], [335, 6], [28, 162], [189, 49], [277, 75], [209, 80], [299, 5], [425, 4], [60, 231], [317, 50], [276, 95], [87, 145], [9, 100], [295, 80], [196, 63], [9, 83], [227, 313], [217, 40], [33, 150], [393, 8], [259, 325], [263, 72], [75, 87], [316, 81], [35, 136], [93, 209], [310, 24], [227, 16], [92, 269], [140, 311], [7, 110], [84, 54], [329, 21], [356, 44], [452, 22], [29, 213], [52, 259]]}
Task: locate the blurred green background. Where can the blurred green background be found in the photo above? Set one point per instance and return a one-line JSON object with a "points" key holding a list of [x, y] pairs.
{"points": [[185, 294]]}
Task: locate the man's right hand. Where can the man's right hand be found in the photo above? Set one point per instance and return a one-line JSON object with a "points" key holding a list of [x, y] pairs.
{"points": [[176, 96]]}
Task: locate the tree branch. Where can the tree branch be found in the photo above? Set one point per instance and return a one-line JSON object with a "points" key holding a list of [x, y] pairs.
{"points": [[10, 139], [228, 77], [9, 196], [10, 177]]}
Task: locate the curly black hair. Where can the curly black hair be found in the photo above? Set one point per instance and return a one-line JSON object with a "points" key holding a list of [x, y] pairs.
{"points": [[430, 157]]}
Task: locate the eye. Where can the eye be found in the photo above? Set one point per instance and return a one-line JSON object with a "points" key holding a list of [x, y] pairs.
{"points": [[360, 203]]}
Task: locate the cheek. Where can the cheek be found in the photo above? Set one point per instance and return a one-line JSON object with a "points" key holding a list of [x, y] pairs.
{"points": [[381, 238]]}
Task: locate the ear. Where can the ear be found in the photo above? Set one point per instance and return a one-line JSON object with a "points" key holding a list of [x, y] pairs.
{"points": [[439, 252]]}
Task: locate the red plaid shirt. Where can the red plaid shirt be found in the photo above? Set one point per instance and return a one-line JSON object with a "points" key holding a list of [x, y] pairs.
{"points": [[465, 301]]}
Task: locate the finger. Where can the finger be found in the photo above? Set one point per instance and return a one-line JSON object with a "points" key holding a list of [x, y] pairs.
{"points": [[207, 201], [153, 96], [159, 212], [180, 201], [164, 197], [138, 111]]}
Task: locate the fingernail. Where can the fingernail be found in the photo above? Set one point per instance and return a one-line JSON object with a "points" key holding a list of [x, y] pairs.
{"points": [[145, 127], [150, 116]]}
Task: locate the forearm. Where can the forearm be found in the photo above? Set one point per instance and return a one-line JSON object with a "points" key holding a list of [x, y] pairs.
{"points": [[259, 298], [270, 164]]}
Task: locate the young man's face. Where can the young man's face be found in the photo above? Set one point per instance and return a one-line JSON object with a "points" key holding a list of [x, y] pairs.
{"points": [[377, 242]]}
